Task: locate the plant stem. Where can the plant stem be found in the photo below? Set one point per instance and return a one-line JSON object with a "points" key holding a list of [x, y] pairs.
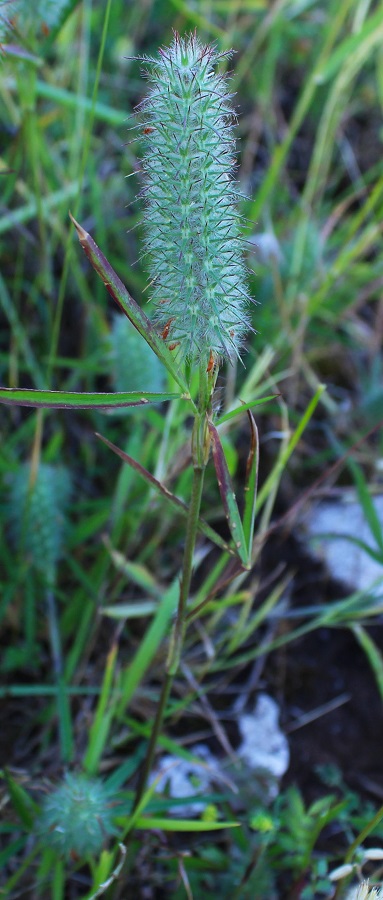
{"points": [[177, 638], [62, 699], [178, 634], [150, 754]]}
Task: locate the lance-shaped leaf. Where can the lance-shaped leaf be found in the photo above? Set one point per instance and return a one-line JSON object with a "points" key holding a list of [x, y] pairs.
{"points": [[157, 824], [78, 400], [251, 485], [228, 497], [243, 408], [287, 449], [129, 306], [162, 489]]}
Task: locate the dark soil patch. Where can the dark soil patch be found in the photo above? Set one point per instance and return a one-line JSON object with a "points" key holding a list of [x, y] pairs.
{"points": [[321, 668]]}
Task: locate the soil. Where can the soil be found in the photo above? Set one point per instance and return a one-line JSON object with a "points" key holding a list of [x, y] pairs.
{"points": [[326, 668]]}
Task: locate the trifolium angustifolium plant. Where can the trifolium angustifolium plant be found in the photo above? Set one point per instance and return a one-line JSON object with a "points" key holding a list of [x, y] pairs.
{"points": [[37, 516], [192, 226], [77, 817]]}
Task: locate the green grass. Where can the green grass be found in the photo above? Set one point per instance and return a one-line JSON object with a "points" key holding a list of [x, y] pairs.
{"points": [[83, 657]]}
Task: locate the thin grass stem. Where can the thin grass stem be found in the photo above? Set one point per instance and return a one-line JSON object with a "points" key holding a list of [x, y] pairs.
{"points": [[179, 629]]}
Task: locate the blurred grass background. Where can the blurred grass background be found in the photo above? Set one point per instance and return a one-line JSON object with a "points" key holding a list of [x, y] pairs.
{"points": [[308, 83]]}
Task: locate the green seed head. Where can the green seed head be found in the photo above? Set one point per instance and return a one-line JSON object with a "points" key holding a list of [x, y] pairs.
{"points": [[192, 227], [37, 515], [77, 817]]}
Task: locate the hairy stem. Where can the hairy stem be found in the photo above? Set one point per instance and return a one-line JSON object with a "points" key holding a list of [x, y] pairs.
{"points": [[178, 635], [179, 628]]}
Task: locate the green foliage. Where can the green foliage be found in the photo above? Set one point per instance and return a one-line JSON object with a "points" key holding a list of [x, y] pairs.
{"points": [[33, 17], [299, 828], [5, 26], [22, 802], [47, 11], [133, 364]]}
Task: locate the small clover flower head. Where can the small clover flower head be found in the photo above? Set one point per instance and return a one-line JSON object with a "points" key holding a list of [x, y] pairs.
{"points": [[37, 516], [77, 817], [192, 227]]}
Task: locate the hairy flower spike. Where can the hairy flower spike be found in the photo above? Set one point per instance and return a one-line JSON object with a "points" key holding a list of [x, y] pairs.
{"points": [[37, 516], [192, 234], [77, 817]]}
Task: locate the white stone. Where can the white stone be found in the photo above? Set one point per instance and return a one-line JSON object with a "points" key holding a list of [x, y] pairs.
{"points": [[345, 560], [264, 747], [184, 778]]}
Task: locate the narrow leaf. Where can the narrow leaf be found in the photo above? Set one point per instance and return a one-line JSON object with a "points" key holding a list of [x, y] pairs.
{"points": [[344, 536], [129, 306], [251, 485], [161, 489], [367, 503], [228, 497], [372, 651], [63, 14], [136, 572], [182, 824], [22, 802], [244, 408], [350, 47], [134, 610], [135, 671], [79, 400], [103, 716], [273, 479], [365, 499], [12, 852]]}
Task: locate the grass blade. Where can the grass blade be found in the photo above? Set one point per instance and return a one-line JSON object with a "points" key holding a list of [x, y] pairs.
{"points": [[149, 645], [161, 489], [228, 497], [23, 804], [23, 214], [274, 477], [372, 652], [101, 723], [79, 400], [367, 504], [182, 824], [365, 500], [251, 485], [244, 408], [129, 306]]}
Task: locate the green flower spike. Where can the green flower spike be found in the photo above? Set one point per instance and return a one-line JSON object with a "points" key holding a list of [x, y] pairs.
{"points": [[192, 227], [37, 516]]}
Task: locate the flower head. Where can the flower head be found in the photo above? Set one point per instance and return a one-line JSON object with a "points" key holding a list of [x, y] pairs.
{"points": [[77, 817], [192, 228]]}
